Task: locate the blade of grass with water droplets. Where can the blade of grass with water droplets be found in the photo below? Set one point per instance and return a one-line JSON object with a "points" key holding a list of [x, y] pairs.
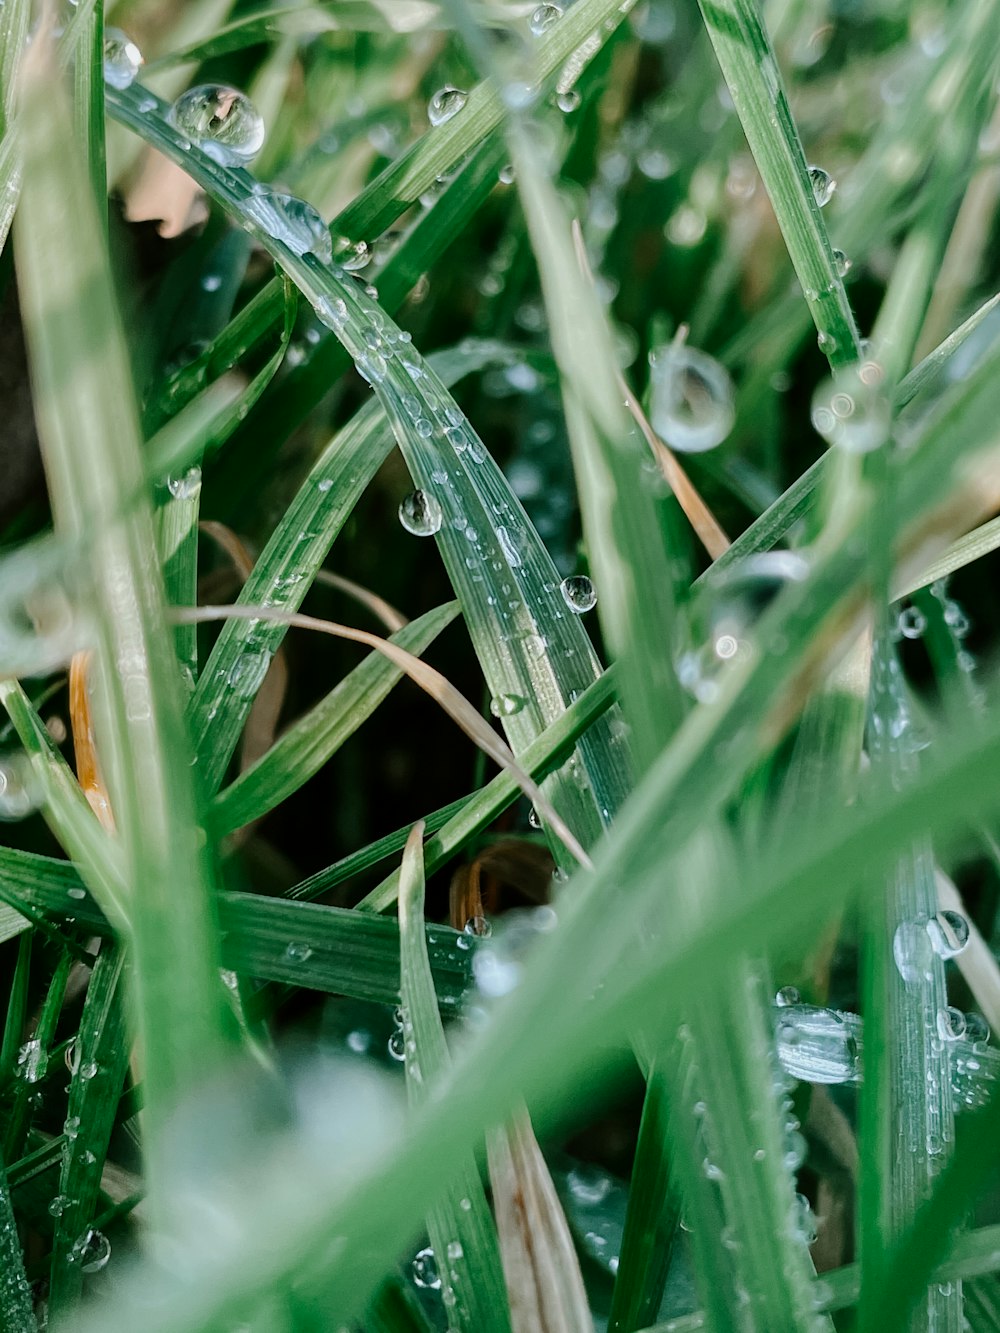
{"points": [[460, 1226], [288, 563], [751, 72], [33, 1059], [100, 1063], [303, 749], [89, 432], [16, 1313], [14, 18]]}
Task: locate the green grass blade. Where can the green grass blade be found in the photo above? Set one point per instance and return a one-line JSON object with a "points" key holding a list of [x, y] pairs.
{"points": [[16, 1313], [460, 1226], [36, 1052], [751, 72], [923, 375], [90, 437], [307, 745], [14, 19]]}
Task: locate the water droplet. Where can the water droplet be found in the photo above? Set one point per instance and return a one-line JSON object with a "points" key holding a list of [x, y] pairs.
{"points": [[786, 996], [292, 221], [589, 1185], [479, 926], [977, 1029], [912, 951], [851, 409], [88, 1070], [222, 121], [91, 1251], [506, 705], [543, 18], [568, 101], [425, 1270], [823, 185], [445, 103], [248, 671], [579, 593], [815, 1045], [949, 933], [497, 966], [71, 1127], [396, 1045], [691, 399], [298, 952], [950, 1023], [32, 1061], [20, 791], [187, 486], [534, 819], [911, 622], [122, 58], [506, 175], [420, 514], [211, 282], [58, 1205], [841, 263], [803, 1226]]}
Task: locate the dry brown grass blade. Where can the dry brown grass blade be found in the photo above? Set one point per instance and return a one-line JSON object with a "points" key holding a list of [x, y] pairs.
{"points": [[701, 518], [382, 610], [430, 681], [88, 771], [544, 1283]]}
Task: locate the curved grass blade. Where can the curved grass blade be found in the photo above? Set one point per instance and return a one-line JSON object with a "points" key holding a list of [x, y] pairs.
{"points": [[460, 1225], [89, 431], [307, 745]]}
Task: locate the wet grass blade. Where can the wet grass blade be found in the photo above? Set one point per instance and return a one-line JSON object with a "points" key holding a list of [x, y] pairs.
{"points": [[16, 1313], [460, 1225], [303, 749], [89, 431]]}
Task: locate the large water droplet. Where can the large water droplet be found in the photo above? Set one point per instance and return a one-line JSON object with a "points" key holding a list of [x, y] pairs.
{"points": [[122, 58], [788, 995], [352, 255], [815, 1045], [949, 933], [222, 121], [543, 18], [911, 622], [950, 1023], [506, 705], [579, 593], [91, 1251], [20, 791], [248, 671], [293, 221], [912, 951], [851, 409], [568, 101], [589, 1185], [445, 103], [691, 401], [420, 514], [841, 263], [425, 1270], [187, 485], [823, 185]]}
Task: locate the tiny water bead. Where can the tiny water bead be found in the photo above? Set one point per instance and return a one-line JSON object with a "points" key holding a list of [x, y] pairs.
{"points": [[294, 222], [578, 593], [247, 673], [949, 933], [977, 1030], [187, 485], [420, 514], [951, 1024], [788, 995], [32, 1061], [20, 792], [816, 1045], [543, 17], [122, 59], [823, 185], [352, 256], [841, 263], [298, 951], [568, 101], [425, 1270], [911, 622], [446, 103], [222, 121], [91, 1251], [851, 410], [396, 1045], [506, 705], [691, 399]]}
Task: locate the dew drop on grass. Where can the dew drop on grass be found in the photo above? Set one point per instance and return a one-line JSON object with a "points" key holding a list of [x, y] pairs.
{"points": [[292, 221], [851, 409], [425, 1270], [478, 926], [298, 951], [823, 185], [122, 58], [803, 1227], [222, 121], [91, 1251], [912, 951], [949, 933], [788, 995], [815, 1045], [20, 793], [841, 263], [352, 256], [588, 1185], [32, 1061], [506, 705], [950, 1023], [506, 174], [543, 18], [420, 514], [58, 1205], [446, 102], [911, 622], [977, 1029], [568, 101], [578, 593], [396, 1045], [691, 398], [186, 486], [248, 671]]}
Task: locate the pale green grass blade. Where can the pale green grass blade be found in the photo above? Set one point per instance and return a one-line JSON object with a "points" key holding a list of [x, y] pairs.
{"points": [[14, 18], [460, 1226], [285, 569], [90, 438], [755, 84], [306, 746], [966, 551], [16, 1313], [929, 369], [101, 1057], [85, 53], [37, 1052], [395, 1310]]}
